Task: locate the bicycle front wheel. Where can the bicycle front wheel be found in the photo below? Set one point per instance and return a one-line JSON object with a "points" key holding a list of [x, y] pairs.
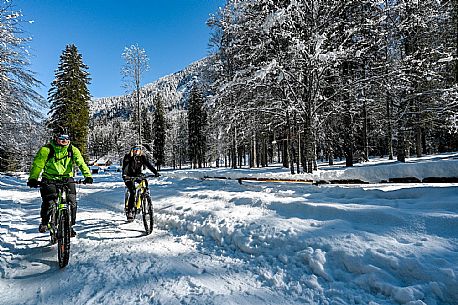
{"points": [[147, 211], [63, 238]]}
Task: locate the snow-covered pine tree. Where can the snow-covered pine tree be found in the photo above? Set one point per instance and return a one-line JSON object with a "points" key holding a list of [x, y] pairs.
{"points": [[159, 131], [197, 122], [244, 88], [423, 70], [298, 65], [69, 96], [177, 138], [147, 126]]}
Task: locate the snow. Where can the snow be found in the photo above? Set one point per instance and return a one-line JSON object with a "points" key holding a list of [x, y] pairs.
{"points": [[217, 241]]}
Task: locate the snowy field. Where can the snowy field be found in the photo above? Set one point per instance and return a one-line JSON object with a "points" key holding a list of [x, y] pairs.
{"points": [[220, 242]]}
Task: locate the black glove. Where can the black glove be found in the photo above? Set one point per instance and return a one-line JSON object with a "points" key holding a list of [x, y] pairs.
{"points": [[157, 175], [32, 183], [88, 180]]}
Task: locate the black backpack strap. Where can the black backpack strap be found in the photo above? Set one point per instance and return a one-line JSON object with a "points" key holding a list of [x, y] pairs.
{"points": [[51, 152], [70, 151]]}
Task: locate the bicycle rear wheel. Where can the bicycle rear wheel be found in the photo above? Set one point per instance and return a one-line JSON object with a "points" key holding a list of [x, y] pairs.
{"points": [[147, 211], [126, 201], [63, 238]]}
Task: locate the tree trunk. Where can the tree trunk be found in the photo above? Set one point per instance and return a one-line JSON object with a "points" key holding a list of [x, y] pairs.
{"points": [[455, 20], [309, 150], [348, 136], [139, 115], [254, 152], [365, 136], [331, 155], [234, 149], [299, 151], [418, 141], [389, 129], [401, 151]]}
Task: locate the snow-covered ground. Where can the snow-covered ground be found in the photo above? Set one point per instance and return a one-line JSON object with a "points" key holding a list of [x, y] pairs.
{"points": [[220, 242]]}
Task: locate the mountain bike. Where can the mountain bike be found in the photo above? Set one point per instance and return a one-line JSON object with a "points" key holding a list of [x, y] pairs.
{"points": [[142, 201], [59, 224]]}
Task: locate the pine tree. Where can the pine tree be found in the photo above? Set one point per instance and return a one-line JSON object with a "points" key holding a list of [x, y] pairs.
{"points": [[159, 130], [176, 138], [147, 126], [69, 96], [197, 122]]}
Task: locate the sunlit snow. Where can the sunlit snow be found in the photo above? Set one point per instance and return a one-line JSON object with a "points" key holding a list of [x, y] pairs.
{"points": [[217, 241]]}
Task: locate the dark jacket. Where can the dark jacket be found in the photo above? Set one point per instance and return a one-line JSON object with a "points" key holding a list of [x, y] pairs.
{"points": [[132, 165]]}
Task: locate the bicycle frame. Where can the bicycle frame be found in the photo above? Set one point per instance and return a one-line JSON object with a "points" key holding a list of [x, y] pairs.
{"points": [[59, 224], [142, 201], [141, 188], [57, 206]]}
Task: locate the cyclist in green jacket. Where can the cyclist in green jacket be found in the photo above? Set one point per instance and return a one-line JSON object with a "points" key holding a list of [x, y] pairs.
{"points": [[54, 162]]}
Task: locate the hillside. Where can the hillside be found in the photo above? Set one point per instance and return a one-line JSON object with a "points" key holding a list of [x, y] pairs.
{"points": [[173, 88]]}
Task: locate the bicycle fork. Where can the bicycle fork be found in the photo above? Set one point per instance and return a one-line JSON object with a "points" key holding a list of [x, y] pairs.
{"points": [[56, 208], [139, 194]]}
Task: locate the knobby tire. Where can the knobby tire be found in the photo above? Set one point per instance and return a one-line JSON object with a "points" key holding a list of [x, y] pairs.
{"points": [[147, 213], [63, 239], [126, 202], [53, 222]]}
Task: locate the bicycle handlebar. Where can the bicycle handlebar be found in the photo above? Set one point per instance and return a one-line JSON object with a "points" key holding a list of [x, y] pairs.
{"points": [[141, 177], [59, 182]]}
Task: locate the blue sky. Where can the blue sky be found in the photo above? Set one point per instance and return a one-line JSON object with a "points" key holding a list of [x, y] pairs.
{"points": [[172, 32]]}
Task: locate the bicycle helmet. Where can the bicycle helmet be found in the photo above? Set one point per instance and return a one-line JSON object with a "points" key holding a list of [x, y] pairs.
{"points": [[136, 150], [61, 136]]}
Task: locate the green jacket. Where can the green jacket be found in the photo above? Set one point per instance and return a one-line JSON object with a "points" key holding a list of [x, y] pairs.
{"points": [[59, 166]]}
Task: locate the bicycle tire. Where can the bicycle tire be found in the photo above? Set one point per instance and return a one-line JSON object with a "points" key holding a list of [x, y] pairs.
{"points": [[63, 239], [52, 224], [148, 214], [126, 201]]}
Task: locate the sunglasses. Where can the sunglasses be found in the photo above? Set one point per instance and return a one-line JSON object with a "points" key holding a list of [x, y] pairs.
{"points": [[64, 137]]}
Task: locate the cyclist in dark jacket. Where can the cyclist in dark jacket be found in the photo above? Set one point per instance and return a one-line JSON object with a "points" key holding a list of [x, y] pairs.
{"points": [[54, 162], [132, 166]]}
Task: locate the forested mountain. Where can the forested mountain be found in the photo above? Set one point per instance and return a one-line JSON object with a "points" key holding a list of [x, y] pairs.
{"points": [[174, 88], [111, 124]]}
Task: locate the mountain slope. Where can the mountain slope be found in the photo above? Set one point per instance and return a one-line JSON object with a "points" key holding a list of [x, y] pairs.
{"points": [[173, 88]]}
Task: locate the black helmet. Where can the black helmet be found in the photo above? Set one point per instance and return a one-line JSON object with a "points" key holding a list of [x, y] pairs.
{"points": [[59, 130]]}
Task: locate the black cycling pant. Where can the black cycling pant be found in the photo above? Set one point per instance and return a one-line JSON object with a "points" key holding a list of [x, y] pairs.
{"points": [[48, 193], [131, 187]]}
